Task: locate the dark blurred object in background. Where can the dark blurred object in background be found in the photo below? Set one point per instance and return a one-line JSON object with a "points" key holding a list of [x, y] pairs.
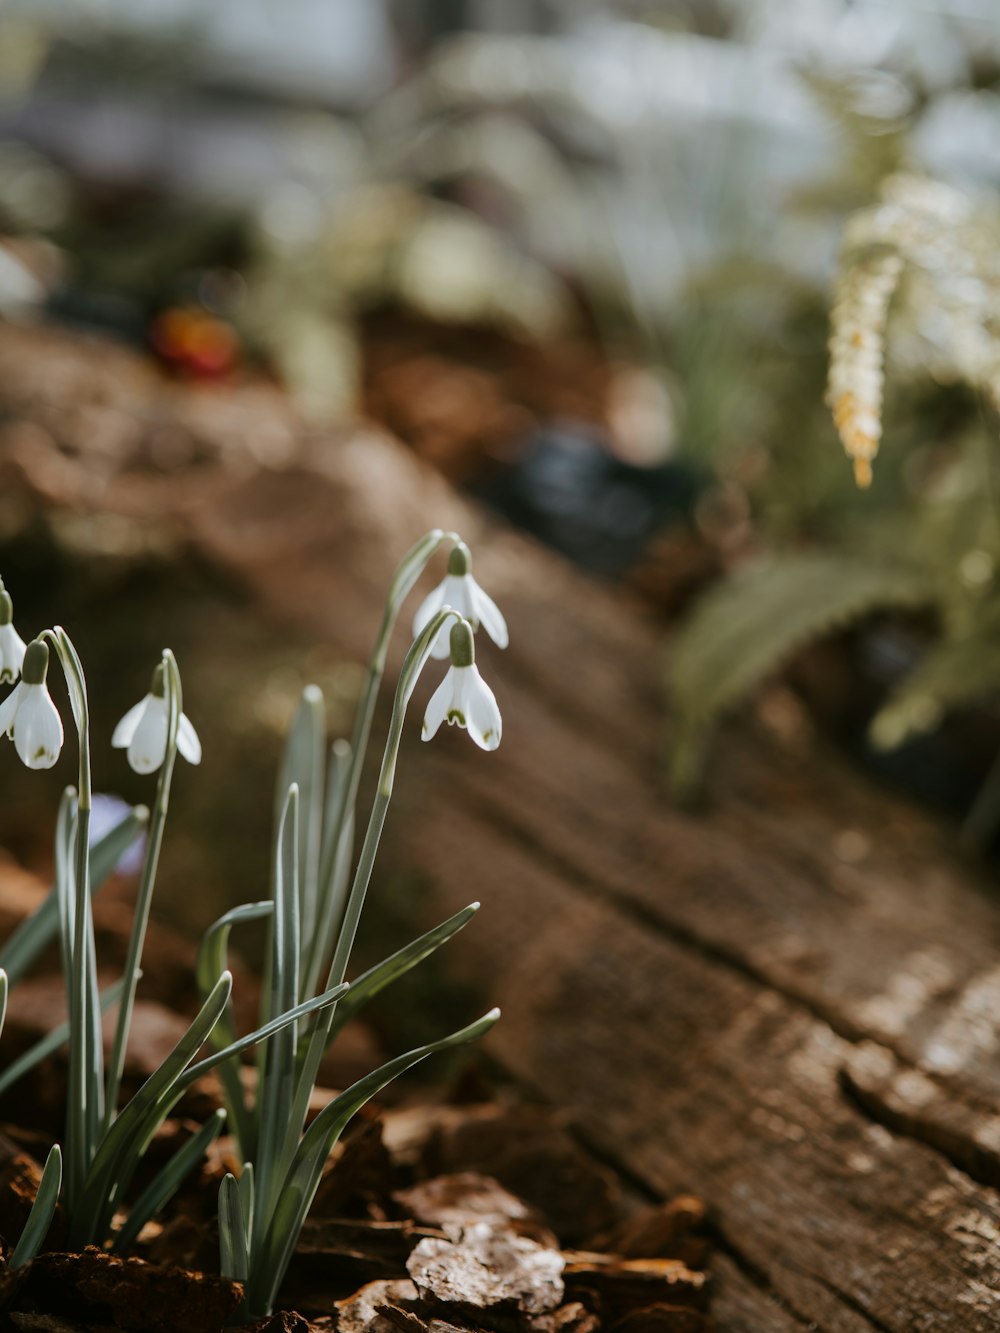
{"points": [[567, 488]]}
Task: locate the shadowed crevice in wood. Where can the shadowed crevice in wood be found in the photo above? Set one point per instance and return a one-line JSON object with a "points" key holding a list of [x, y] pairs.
{"points": [[852, 1304], [904, 1099]]}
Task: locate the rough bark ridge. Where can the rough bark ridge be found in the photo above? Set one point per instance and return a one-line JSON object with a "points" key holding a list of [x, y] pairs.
{"points": [[787, 1005]]}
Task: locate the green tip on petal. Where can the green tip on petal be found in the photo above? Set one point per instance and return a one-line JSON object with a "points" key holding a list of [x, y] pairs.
{"points": [[460, 560], [35, 666], [463, 649]]}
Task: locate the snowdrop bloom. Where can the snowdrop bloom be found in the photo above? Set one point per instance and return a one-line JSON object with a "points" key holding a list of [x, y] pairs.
{"points": [[143, 730], [463, 698], [462, 593], [11, 643], [28, 715]]}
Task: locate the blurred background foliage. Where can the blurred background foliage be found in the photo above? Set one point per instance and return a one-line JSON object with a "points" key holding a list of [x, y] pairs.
{"points": [[581, 257]]}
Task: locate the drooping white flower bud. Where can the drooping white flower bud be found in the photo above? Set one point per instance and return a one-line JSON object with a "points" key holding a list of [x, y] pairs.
{"points": [[28, 715], [463, 698], [143, 730], [460, 591], [11, 644]]}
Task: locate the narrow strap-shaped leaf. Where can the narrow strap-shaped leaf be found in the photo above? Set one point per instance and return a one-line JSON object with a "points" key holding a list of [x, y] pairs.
{"points": [[234, 1255], [302, 1181], [247, 1197], [77, 1155], [50, 1043], [124, 1141], [212, 962], [4, 986], [302, 767], [164, 1185], [277, 1086], [332, 890], [85, 1099], [383, 974], [302, 1010], [40, 1218], [22, 948]]}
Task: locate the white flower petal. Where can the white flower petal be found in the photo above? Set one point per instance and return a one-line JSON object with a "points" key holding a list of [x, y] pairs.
{"points": [[482, 714], [187, 741], [458, 594], [456, 591], [12, 648], [148, 746], [8, 710], [428, 609], [488, 614], [38, 729], [125, 730], [437, 708]]}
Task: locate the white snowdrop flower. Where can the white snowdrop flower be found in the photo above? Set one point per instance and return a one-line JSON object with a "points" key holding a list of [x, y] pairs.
{"points": [[143, 730], [11, 643], [28, 715], [463, 698], [462, 593]]}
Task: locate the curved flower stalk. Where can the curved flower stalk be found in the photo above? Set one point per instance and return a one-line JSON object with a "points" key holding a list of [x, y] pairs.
{"points": [[28, 715], [154, 730], [313, 915], [463, 698], [12, 646], [462, 593]]}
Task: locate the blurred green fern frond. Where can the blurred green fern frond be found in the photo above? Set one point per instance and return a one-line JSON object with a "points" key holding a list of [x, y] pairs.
{"points": [[953, 673], [747, 626]]}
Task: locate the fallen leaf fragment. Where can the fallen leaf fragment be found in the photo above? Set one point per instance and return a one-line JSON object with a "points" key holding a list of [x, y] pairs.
{"points": [[486, 1268]]}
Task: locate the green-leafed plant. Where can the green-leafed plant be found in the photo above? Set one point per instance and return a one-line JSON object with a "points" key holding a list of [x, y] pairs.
{"points": [[919, 277], [317, 897], [103, 1144], [317, 894]]}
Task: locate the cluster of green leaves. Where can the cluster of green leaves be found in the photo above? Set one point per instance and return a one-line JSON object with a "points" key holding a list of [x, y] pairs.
{"points": [[313, 913], [104, 1144], [317, 896]]}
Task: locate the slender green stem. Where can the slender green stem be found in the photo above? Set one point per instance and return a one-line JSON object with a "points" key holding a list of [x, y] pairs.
{"points": [[140, 920], [83, 1102], [407, 572], [414, 663]]}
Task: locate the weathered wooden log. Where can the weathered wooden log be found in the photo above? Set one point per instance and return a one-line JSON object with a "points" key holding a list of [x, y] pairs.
{"points": [[787, 1005]]}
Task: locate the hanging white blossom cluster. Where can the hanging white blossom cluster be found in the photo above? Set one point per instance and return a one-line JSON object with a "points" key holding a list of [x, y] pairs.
{"points": [[463, 698]]}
